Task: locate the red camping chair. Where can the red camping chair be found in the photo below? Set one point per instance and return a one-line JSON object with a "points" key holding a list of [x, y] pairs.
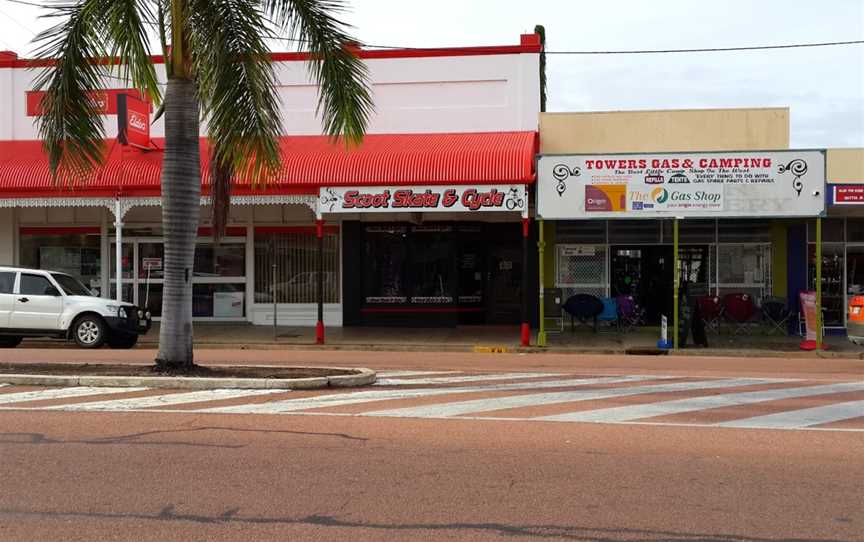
{"points": [[739, 309], [712, 311]]}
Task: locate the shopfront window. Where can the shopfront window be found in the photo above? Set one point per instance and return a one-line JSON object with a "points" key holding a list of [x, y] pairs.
{"points": [[431, 266], [833, 299], [744, 268], [76, 254], [224, 260], [287, 261], [386, 252]]}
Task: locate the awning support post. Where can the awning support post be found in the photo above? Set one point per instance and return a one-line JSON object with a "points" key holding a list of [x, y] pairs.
{"points": [[818, 283], [526, 327], [541, 272], [319, 234], [118, 233], [676, 284]]}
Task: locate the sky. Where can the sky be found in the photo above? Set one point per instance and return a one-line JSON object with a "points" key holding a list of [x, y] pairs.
{"points": [[823, 87]]}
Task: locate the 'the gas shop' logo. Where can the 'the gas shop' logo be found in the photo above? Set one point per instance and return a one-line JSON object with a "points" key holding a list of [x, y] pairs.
{"points": [[659, 195]]}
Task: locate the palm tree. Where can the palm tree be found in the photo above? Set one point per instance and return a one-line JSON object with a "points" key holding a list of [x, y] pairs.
{"points": [[218, 69]]}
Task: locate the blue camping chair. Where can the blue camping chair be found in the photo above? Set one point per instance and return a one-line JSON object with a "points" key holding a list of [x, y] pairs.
{"points": [[609, 315]]}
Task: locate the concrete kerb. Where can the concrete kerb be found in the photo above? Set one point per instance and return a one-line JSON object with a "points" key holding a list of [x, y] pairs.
{"points": [[359, 377]]}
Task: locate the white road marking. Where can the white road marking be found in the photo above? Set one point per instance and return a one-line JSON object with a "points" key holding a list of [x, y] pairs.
{"points": [[59, 393], [462, 379], [393, 374], [447, 410], [692, 404], [794, 419], [160, 400], [340, 399]]}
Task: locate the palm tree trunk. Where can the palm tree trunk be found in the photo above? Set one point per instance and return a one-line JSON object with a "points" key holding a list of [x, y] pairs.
{"points": [[181, 198]]}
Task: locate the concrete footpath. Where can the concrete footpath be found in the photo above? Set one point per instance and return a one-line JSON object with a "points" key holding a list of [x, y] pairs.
{"points": [[486, 339]]}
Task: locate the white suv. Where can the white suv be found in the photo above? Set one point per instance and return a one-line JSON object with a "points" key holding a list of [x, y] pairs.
{"points": [[37, 303]]}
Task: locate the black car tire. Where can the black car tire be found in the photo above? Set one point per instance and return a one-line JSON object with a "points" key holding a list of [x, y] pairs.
{"points": [[123, 342], [9, 342], [89, 331]]}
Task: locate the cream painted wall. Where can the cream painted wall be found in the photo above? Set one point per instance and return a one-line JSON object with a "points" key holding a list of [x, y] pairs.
{"points": [[669, 131], [7, 237], [846, 165]]}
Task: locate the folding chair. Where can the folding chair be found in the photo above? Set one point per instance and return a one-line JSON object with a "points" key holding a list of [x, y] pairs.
{"points": [[583, 307], [630, 314], [711, 310], [739, 310], [776, 312], [609, 314]]}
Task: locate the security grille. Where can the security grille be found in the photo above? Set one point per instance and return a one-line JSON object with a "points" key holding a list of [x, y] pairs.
{"points": [[582, 269]]}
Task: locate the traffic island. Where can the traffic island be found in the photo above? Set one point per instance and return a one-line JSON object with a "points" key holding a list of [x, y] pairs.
{"points": [[199, 378]]}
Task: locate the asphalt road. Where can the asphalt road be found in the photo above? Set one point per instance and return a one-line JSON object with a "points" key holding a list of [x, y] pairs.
{"points": [[333, 475]]}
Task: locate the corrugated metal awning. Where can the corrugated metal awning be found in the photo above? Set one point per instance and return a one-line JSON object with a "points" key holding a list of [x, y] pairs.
{"points": [[307, 163]]}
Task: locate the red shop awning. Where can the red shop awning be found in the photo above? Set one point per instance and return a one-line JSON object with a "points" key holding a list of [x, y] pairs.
{"points": [[308, 162]]}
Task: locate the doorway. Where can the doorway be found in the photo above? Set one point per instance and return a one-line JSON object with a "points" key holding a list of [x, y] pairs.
{"points": [[645, 272]]}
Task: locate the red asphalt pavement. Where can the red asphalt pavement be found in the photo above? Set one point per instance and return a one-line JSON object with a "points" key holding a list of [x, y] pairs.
{"points": [[190, 476]]}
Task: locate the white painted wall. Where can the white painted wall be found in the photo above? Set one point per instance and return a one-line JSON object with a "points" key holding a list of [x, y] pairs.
{"points": [[423, 94]]}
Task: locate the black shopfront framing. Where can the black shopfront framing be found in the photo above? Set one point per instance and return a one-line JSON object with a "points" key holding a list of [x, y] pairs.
{"points": [[435, 273]]}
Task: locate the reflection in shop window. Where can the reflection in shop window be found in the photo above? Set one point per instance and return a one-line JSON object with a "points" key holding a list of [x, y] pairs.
{"points": [[833, 305], [385, 252], [76, 255], [431, 268], [295, 255], [745, 269]]}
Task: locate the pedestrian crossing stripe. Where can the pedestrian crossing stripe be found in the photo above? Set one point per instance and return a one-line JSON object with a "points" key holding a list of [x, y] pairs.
{"points": [[461, 379], [60, 393], [448, 410], [802, 418], [505, 391], [354, 398], [163, 400], [694, 404]]}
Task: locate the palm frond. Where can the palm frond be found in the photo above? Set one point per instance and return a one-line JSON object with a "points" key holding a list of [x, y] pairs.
{"points": [[236, 83], [126, 23], [82, 48], [70, 128], [237, 90], [344, 99]]}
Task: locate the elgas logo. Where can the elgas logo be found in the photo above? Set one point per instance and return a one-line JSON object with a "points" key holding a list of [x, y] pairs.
{"points": [[137, 121]]}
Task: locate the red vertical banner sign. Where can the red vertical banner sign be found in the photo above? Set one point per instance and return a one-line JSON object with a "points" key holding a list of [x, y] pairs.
{"points": [[133, 121]]}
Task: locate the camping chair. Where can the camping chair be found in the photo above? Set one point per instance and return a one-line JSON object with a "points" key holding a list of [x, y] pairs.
{"points": [[739, 309], [630, 315], [583, 307], [777, 314], [609, 314], [711, 310]]}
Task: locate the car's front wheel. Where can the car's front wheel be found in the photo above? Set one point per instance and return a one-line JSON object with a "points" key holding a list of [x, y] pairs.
{"points": [[9, 342], [89, 331], [123, 342]]}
